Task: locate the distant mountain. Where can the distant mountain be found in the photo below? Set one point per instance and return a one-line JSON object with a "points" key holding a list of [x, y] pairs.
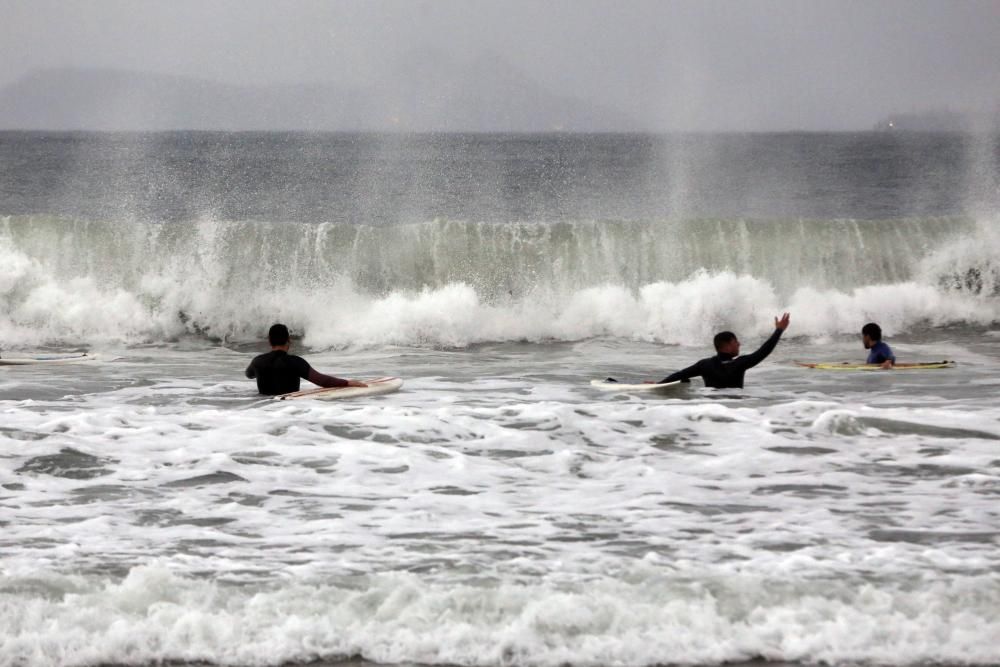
{"points": [[71, 99], [425, 93]]}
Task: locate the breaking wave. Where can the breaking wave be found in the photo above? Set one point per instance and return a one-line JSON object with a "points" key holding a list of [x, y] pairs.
{"points": [[455, 283], [153, 616]]}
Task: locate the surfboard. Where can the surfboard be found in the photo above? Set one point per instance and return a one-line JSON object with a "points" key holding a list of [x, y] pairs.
{"points": [[649, 388], [375, 387], [74, 358], [851, 366]]}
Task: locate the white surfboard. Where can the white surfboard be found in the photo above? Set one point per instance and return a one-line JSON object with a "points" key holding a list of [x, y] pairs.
{"points": [[74, 358], [646, 387], [375, 387]]}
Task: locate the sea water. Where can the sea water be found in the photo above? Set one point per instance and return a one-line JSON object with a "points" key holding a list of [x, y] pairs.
{"points": [[498, 510]]}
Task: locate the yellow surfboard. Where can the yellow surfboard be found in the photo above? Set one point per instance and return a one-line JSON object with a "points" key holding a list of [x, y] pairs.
{"points": [[851, 366]]}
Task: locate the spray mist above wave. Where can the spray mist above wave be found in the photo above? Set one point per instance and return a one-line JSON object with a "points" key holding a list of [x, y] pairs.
{"points": [[498, 259], [453, 284], [970, 264]]}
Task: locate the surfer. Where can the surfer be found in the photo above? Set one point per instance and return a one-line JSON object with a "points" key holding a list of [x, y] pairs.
{"points": [[725, 370], [879, 351], [278, 372]]}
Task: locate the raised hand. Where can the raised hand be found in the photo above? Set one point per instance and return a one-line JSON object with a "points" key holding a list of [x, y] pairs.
{"points": [[781, 323]]}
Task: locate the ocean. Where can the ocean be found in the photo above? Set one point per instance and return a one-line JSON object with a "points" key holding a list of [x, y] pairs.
{"points": [[498, 510]]}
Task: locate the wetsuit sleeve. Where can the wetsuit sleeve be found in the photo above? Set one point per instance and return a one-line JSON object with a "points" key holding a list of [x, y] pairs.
{"points": [[251, 371], [684, 375], [751, 360], [316, 377], [307, 372]]}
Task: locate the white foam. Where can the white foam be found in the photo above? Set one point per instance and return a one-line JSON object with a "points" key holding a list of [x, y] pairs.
{"points": [[659, 615], [897, 308], [686, 312], [495, 512]]}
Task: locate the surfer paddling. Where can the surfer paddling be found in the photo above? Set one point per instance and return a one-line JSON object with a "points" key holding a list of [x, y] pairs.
{"points": [[879, 351], [725, 370], [278, 372]]}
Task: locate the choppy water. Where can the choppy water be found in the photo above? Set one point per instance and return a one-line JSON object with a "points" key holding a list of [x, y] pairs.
{"points": [[498, 510]]}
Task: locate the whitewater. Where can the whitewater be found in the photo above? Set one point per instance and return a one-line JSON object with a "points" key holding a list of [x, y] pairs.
{"points": [[498, 510]]}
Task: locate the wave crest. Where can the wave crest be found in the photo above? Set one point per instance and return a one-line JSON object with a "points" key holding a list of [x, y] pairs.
{"points": [[454, 284]]}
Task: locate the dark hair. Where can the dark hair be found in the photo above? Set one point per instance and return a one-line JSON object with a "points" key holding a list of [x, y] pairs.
{"points": [[722, 338], [872, 330], [277, 335]]}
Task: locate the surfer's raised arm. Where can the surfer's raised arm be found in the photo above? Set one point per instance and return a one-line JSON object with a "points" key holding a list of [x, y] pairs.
{"points": [[750, 360]]}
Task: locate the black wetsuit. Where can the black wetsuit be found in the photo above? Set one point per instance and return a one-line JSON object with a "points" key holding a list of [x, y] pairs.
{"points": [[278, 372], [724, 371]]}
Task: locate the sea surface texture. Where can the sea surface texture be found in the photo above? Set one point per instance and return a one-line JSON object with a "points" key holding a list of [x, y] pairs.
{"points": [[498, 510]]}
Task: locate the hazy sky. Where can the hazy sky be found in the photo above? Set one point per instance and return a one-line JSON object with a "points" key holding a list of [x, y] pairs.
{"points": [[688, 65]]}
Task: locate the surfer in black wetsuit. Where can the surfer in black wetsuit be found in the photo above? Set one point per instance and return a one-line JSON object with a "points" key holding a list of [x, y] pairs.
{"points": [[278, 372], [725, 370]]}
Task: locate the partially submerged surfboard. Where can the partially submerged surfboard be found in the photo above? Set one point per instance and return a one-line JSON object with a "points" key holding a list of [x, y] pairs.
{"points": [[74, 358], [851, 366], [375, 387], [646, 387]]}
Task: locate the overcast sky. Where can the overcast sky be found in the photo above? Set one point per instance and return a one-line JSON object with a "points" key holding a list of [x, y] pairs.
{"points": [[686, 65]]}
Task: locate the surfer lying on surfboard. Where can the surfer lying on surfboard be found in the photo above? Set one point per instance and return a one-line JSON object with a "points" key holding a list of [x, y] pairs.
{"points": [[879, 351], [278, 372], [725, 370]]}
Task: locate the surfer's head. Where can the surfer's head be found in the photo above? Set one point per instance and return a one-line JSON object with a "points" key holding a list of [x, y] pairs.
{"points": [[277, 335], [726, 342], [871, 333]]}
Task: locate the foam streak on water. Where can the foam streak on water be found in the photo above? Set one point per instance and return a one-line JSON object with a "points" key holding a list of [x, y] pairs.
{"points": [[502, 512]]}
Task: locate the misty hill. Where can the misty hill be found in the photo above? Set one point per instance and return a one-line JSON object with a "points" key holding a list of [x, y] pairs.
{"points": [[428, 93], [118, 100]]}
